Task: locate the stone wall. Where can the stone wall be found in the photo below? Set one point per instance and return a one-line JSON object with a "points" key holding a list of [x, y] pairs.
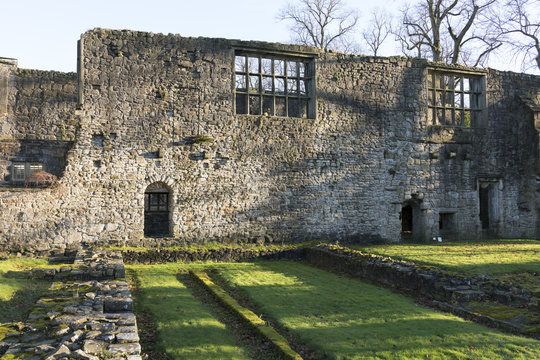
{"points": [[41, 105], [346, 174], [38, 122]]}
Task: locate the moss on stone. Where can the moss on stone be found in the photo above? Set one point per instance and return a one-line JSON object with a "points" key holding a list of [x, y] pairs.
{"points": [[201, 139], [525, 280], [6, 329], [498, 311]]}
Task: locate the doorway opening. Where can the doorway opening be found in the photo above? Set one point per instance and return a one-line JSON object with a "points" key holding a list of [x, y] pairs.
{"points": [[156, 210], [483, 194], [407, 219], [490, 201]]}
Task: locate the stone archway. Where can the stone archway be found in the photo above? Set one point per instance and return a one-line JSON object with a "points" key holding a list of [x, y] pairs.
{"points": [[157, 202]]}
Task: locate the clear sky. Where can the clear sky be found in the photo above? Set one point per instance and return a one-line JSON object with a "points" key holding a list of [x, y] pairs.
{"points": [[43, 34]]}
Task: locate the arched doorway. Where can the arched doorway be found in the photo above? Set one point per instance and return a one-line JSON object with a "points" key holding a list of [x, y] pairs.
{"points": [[156, 210]]}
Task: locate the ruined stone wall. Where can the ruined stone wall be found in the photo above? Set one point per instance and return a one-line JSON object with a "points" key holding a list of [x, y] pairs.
{"points": [[287, 178], [38, 121], [41, 105], [346, 174], [510, 150]]}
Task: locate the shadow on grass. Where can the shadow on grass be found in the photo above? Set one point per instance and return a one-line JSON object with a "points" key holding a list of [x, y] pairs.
{"points": [[343, 317], [25, 293], [185, 327]]}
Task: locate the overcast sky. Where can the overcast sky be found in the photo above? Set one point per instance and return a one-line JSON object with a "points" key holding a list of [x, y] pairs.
{"points": [[43, 34]]}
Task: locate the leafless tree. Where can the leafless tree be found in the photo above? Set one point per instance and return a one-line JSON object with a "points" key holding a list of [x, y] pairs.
{"points": [[519, 24], [325, 24], [377, 30], [442, 29]]}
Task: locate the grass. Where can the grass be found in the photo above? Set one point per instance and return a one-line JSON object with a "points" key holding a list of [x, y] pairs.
{"points": [[337, 317], [214, 245], [344, 318], [186, 328], [491, 257], [17, 291]]}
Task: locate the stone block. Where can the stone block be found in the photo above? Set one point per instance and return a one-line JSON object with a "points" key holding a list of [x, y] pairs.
{"points": [[81, 355], [125, 349], [94, 347], [127, 337], [117, 305]]}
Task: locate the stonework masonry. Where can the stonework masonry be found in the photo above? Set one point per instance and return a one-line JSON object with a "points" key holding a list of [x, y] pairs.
{"points": [[155, 117]]}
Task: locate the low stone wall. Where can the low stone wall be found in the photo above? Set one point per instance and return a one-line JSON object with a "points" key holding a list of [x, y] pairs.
{"points": [[156, 256], [81, 319], [441, 289], [430, 282]]}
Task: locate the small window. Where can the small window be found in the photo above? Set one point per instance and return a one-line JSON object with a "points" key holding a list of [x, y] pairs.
{"points": [[273, 85], [34, 168], [455, 99], [18, 172], [22, 170], [156, 202]]}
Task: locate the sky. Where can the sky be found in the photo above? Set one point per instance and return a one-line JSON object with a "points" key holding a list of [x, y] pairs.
{"points": [[43, 34]]}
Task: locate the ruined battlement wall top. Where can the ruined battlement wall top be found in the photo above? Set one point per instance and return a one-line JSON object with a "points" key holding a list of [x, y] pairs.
{"points": [[39, 104]]}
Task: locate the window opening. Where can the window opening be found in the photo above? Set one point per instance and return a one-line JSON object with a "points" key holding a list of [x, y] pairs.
{"points": [[19, 171], [446, 222], [97, 140], [455, 99], [34, 168], [22, 170], [272, 85]]}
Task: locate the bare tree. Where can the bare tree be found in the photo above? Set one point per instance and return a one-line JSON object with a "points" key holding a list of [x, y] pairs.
{"points": [[325, 24], [377, 29], [441, 28], [519, 24]]}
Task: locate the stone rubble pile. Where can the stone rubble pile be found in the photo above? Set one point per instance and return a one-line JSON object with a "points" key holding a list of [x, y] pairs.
{"points": [[81, 319]]}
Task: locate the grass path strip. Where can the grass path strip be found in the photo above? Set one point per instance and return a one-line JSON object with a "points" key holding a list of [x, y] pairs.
{"points": [[253, 320], [186, 329]]}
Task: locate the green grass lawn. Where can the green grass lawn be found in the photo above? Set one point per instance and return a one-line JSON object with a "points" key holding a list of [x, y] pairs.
{"points": [[490, 257], [18, 293], [345, 318], [186, 328], [341, 317]]}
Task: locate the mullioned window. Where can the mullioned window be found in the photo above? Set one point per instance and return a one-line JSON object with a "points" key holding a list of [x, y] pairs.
{"points": [[456, 99], [273, 85]]}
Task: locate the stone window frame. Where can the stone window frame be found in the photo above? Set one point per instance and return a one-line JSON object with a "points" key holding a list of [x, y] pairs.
{"points": [[456, 98], [22, 170], [262, 83]]}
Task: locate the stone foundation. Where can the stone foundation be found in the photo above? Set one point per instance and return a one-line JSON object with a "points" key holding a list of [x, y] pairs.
{"points": [[81, 319]]}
